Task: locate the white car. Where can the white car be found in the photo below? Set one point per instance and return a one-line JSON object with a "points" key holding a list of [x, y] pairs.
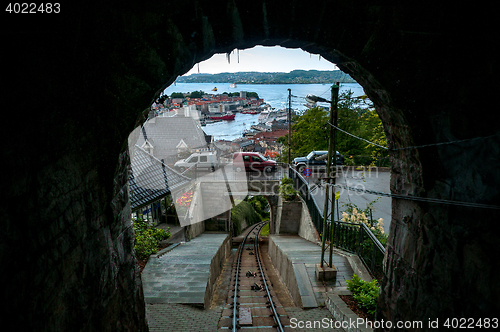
{"points": [[207, 160]]}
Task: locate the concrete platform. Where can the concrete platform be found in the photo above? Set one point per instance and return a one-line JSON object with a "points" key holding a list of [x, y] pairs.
{"points": [[186, 273], [295, 258]]}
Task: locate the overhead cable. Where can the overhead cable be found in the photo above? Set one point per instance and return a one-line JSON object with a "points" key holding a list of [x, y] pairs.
{"points": [[421, 199], [416, 146], [367, 141], [445, 143]]}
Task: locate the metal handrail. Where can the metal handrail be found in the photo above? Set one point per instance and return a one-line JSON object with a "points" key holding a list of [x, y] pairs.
{"points": [[347, 236], [305, 191], [373, 238]]}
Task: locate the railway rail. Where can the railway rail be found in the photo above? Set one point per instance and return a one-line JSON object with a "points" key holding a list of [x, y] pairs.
{"points": [[252, 302]]}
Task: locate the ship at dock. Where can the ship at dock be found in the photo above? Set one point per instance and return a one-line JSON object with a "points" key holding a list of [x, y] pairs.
{"points": [[270, 115], [221, 116]]}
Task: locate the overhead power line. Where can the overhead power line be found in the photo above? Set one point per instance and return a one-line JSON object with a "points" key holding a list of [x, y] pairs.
{"points": [[416, 146], [362, 139], [421, 199]]}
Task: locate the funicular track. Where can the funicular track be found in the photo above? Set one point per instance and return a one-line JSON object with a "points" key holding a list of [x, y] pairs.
{"points": [[252, 302]]}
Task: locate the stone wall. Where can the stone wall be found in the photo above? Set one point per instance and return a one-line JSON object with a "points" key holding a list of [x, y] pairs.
{"points": [[289, 214], [294, 218], [284, 265], [216, 266], [307, 230], [78, 82]]}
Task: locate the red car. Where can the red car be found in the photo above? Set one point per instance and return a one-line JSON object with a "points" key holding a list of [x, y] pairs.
{"points": [[253, 161]]}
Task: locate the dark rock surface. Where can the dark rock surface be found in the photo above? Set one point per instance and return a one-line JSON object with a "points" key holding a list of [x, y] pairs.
{"points": [[76, 83]]}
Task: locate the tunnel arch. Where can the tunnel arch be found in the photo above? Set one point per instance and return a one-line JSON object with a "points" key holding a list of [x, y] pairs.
{"points": [[104, 60], [397, 103]]}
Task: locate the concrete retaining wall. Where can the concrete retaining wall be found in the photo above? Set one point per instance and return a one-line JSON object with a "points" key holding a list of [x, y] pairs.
{"points": [[294, 218], [288, 216], [216, 266], [342, 313], [284, 265], [307, 230]]}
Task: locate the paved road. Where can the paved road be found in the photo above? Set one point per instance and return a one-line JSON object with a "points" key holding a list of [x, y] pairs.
{"points": [[362, 179], [377, 181]]}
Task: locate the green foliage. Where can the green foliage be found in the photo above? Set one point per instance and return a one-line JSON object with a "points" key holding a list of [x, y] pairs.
{"points": [[177, 95], [197, 94], [356, 215], [362, 122], [265, 230], [243, 211], [365, 293], [260, 205], [147, 239], [287, 190], [310, 131], [252, 94]]}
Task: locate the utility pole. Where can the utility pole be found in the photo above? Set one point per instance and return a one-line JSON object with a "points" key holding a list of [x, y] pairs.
{"points": [[289, 125], [333, 115], [329, 185], [333, 120]]}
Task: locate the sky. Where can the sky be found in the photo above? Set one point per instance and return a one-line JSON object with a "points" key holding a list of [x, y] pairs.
{"points": [[263, 59]]}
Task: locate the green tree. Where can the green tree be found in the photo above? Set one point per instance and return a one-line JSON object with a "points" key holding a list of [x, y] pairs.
{"points": [[197, 94], [252, 94], [310, 132], [375, 133], [177, 95], [260, 205]]}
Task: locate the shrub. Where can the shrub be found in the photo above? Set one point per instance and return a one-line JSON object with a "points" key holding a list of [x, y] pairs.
{"points": [[354, 214], [147, 239], [243, 211], [286, 189], [365, 293], [260, 205]]}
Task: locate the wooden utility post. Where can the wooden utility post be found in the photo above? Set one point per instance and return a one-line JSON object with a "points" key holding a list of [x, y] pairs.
{"points": [[289, 125], [331, 151], [332, 180]]}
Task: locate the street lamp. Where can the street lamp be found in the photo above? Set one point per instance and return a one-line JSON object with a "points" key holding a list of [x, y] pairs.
{"points": [[314, 99], [331, 148]]}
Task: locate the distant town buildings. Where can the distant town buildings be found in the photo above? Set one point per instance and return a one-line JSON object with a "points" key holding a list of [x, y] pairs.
{"points": [[174, 128]]}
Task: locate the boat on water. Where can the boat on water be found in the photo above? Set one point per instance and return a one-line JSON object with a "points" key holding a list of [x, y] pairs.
{"points": [[232, 85], [269, 115], [250, 112], [214, 89], [221, 116]]}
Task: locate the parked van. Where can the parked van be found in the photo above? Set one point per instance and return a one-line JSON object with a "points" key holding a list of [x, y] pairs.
{"points": [[253, 161], [206, 159]]}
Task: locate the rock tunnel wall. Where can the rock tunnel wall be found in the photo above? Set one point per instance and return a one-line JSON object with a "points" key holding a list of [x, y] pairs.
{"points": [[76, 83]]}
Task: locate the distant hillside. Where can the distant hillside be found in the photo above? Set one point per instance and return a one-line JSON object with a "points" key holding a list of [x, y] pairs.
{"points": [[293, 77]]}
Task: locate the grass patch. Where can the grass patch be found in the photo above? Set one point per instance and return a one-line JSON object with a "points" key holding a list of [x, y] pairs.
{"points": [[265, 230]]}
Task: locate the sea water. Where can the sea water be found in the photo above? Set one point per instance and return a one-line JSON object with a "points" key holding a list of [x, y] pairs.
{"points": [[275, 95]]}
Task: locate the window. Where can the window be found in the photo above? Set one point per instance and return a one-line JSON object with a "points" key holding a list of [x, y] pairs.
{"points": [[257, 159], [203, 159], [193, 160], [246, 158]]}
